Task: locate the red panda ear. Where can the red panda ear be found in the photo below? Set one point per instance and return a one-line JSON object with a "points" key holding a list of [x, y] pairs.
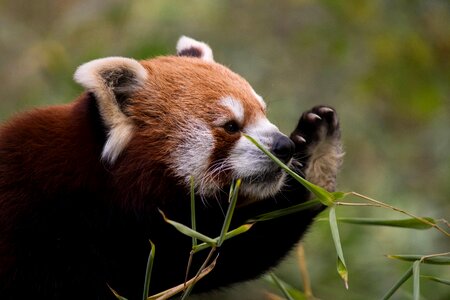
{"points": [[112, 80], [190, 47]]}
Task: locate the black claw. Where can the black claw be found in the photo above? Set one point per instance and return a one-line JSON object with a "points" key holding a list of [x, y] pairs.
{"points": [[298, 139], [312, 117]]}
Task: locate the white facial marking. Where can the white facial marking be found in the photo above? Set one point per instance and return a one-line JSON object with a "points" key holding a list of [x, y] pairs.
{"points": [[235, 106], [262, 177], [191, 157], [259, 98], [262, 130]]}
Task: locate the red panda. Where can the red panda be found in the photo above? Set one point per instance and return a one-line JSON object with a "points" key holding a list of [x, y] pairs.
{"points": [[81, 184]]}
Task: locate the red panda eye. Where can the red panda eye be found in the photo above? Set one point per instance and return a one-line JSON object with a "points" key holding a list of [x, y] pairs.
{"points": [[231, 127]]}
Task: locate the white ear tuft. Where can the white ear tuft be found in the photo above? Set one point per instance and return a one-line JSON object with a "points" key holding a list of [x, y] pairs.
{"points": [[190, 47], [118, 139], [95, 74], [113, 80]]}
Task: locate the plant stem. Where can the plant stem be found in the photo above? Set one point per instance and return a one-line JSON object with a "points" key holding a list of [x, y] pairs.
{"points": [[304, 271]]}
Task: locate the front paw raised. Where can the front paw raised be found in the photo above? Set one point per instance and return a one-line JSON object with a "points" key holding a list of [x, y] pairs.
{"points": [[318, 146], [315, 125]]}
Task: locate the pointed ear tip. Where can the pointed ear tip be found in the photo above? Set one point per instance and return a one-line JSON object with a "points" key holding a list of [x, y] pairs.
{"points": [[183, 38], [185, 43], [82, 75]]}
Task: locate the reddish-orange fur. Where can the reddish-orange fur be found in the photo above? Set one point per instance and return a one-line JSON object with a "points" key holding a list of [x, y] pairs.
{"points": [[193, 80], [72, 222]]}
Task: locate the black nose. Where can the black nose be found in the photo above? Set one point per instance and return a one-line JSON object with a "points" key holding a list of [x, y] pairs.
{"points": [[283, 147]]}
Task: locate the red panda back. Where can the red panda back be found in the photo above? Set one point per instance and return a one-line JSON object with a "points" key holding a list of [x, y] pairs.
{"points": [[52, 147]]}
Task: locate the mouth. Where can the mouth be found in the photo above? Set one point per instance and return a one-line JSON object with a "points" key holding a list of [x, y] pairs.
{"points": [[259, 180], [269, 177], [263, 185]]}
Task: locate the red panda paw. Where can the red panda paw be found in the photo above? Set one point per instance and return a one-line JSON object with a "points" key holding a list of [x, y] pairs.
{"points": [[318, 145], [315, 125]]}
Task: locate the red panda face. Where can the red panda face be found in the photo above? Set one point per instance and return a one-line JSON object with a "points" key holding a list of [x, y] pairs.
{"points": [[190, 113]]}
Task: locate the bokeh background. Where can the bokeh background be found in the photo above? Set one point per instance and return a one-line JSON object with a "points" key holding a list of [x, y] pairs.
{"points": [[383, 64]]}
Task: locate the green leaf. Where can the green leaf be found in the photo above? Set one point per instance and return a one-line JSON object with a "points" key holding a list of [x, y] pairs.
{"points": [[416, 280], [234, 191], [440, 280], [275, 281], [404, 223], [398, 284], [284, 211], [323, 195], [148, 271], [281, 286], [341, 266], [116, 294], [435, 260], [338, 195], [188, 231], [241, 229], [342, 271]]}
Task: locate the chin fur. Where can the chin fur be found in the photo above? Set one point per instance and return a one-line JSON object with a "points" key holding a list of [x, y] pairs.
{"points": [[253, 188]]}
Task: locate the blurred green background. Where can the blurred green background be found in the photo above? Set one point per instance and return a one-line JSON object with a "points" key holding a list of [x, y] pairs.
{"points": [[383, 64]]}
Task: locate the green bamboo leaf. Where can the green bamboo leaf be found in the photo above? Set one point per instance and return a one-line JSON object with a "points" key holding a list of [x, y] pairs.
{"points": [[342, 271], [341, 266], [404, 223], [188, 231], [281, 286], [241, 229], [116, 294], [416, 280], [293, 292], [284, 211], [398, 284], [231, 206], [323, 195], [148, 271], [339, 195], [435, 260], [437, 279]]}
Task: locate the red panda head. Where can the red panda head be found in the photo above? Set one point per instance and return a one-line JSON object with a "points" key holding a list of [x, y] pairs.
{"points": [[188, 114]]}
